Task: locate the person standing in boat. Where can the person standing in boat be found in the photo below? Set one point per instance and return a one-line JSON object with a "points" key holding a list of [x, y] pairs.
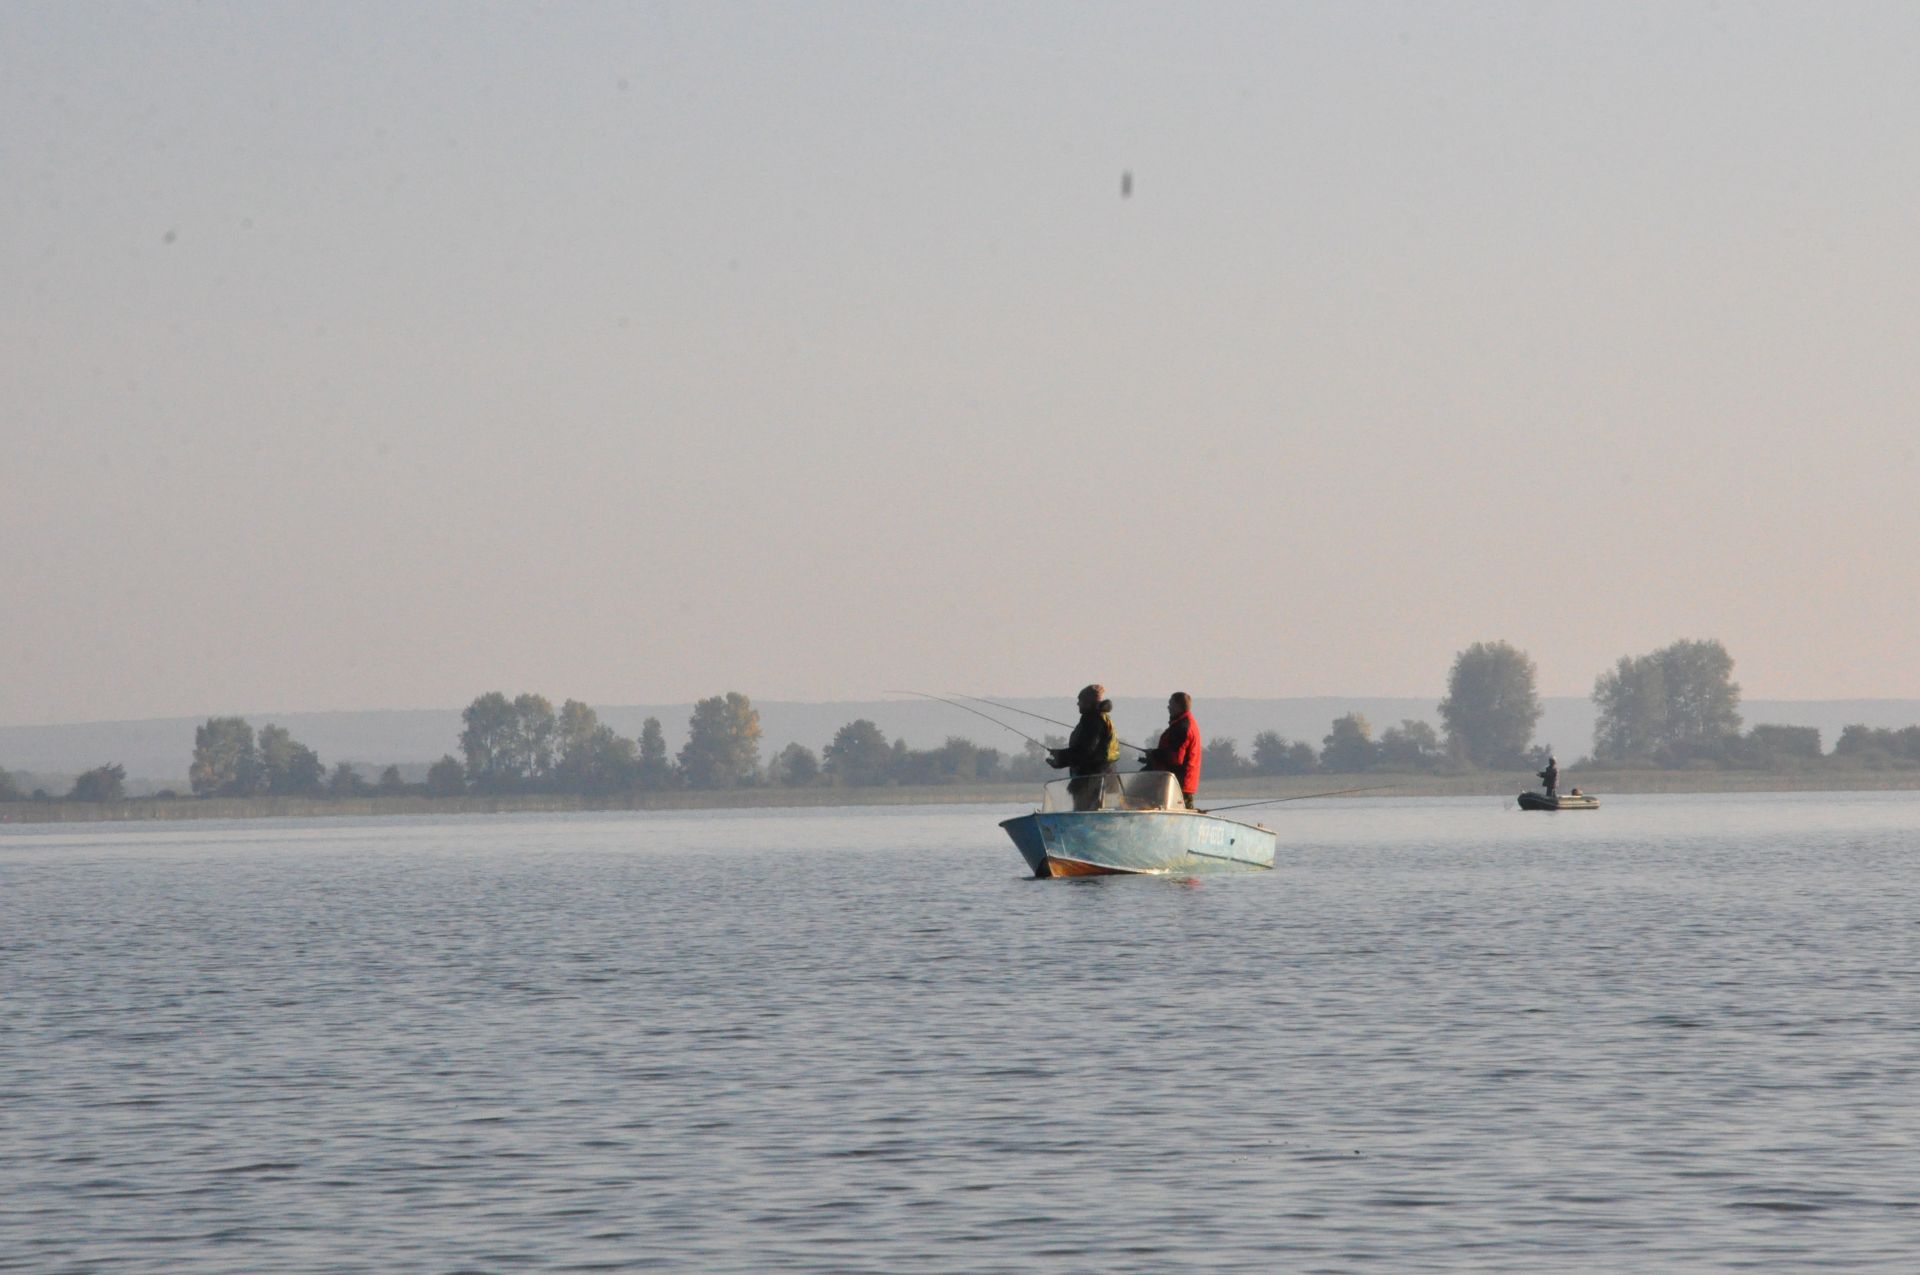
{"points": [[1091, 750], [1550, 776], [1179, 748]]}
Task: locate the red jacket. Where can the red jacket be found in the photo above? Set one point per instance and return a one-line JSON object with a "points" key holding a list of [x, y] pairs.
{"points": [[1179, 752]]}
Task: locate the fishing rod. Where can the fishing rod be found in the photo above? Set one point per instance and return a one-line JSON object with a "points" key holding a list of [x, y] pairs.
{"points": [[1043, 717], [977, 713], [1305, 796]]}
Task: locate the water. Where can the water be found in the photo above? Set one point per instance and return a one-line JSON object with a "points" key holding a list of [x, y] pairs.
{"points": [[1679, 1034]]}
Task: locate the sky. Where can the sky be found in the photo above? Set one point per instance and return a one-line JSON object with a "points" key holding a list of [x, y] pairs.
{"points": [[376, 356]]}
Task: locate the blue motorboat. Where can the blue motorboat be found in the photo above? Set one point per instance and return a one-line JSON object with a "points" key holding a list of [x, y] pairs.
{"points": [[1097, 825]]}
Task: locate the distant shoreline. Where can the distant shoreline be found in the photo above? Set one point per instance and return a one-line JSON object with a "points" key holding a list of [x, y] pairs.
{"points": [[1599, 782], [155, 752]]}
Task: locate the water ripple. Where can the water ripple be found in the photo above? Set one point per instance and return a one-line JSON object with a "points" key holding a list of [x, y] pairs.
{"points": [[1680, 1037]]}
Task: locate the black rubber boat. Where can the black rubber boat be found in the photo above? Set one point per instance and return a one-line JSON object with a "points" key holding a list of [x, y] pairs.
{"points": [[1566, 801]]}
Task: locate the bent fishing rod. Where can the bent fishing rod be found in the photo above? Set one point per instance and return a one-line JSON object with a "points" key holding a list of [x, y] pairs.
{"points": [[1305, 796], [1041, 716]]}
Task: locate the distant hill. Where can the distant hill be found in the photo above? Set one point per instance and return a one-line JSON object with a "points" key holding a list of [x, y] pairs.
{"points": [[161, 749]]}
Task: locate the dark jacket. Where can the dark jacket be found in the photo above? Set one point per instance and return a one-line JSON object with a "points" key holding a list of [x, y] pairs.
{"points": [[1091, 749], [1179, 752]]}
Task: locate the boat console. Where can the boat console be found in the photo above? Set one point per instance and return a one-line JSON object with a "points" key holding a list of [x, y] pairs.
{"points": [[1140, 790]]}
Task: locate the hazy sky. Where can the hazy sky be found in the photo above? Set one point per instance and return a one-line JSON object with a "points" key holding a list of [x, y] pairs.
{"points": [[375, 355]]}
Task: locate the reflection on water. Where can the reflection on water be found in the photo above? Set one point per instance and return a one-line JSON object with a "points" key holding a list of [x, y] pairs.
{"points": [[1681, 1034]]}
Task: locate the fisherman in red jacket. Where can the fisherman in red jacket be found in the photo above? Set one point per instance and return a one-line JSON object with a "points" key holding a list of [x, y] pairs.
{"points": [[1179, 746]]}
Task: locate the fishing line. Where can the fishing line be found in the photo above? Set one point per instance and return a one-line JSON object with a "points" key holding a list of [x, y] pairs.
{"points": [[977, 713], [1305, 796]]}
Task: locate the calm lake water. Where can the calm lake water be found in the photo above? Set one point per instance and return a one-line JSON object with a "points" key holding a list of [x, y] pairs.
{"points": [[1682, 1033]]}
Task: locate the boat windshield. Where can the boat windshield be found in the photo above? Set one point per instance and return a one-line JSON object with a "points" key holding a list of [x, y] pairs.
{"points": [[1142, 790]]}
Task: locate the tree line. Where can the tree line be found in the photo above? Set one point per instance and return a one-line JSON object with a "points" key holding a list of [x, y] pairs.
{"points": [[1673, 708], [1679, 708], [523, 745]]}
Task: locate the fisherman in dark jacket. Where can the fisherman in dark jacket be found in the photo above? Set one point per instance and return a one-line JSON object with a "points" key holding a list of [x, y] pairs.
{"points": [[1091, 750], [1550, 776]]}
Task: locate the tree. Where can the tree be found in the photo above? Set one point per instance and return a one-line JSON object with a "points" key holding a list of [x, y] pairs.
{"points": [[226, 762], [488, 741], [619, 761], [656, 771], [288, 767], [1859, 743], [1348, 747], [794, 767], [1860, 738], [446, 777], [9, 790], [957, 761], [530, 750], [1632, 704], [723, 743], [1703, 700], [1274, 754], [1670, 706], [616, 763], [1223, 759], [390, 782], [1030, 764], [1781, 746], [576, 739], [908, 766], [102, 783], [1491, 706], [346, 782], [961, 761], [592, 758], [858, 756], [509, 744], [1412, 745]]}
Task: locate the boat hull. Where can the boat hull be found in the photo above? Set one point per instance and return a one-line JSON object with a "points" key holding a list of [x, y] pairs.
{"points": [[1540, 801], [1107, 842]]}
